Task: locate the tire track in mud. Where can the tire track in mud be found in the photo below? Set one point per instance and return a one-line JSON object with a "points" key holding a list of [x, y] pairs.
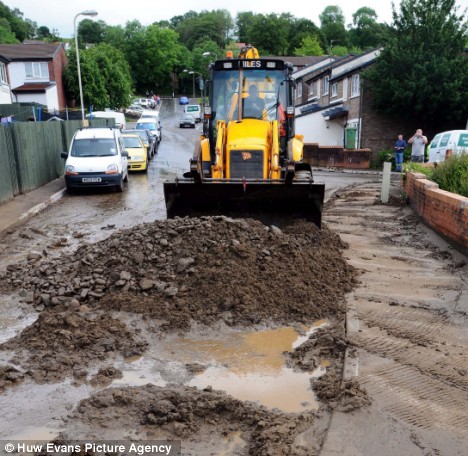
{"points": [[410, 321], [409, 395]]}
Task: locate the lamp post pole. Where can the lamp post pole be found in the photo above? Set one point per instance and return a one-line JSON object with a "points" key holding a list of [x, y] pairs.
{"points": [[83, 13], [193, 75], [193, 83]]}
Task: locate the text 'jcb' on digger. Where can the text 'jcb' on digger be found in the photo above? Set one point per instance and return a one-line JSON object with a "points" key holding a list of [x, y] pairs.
{"points": [[249, 159]]}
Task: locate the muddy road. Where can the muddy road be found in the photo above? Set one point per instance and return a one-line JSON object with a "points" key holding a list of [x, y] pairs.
{"points": [[229, 336]]}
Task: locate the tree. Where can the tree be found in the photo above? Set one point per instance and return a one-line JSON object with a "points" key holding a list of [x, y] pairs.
{"points": [[20, 27], [332, 25], [134, 47], [331, 15], [270, 33], [90, 31], [199, 61], [6, 35], [244, 23], [421, 72], [366, 32], [163, 54], [207, 25], [105, 76], [310, 46], [43, 33], [303, 29]]}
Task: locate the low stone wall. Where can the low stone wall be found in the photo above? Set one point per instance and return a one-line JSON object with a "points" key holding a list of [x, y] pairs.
{"points": [[445, 212], [336, 157]]}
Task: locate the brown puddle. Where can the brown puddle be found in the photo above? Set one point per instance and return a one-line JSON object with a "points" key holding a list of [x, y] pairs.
{"points": [[251, 366]]}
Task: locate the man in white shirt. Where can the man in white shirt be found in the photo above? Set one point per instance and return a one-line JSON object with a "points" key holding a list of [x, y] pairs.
{"points": [[418, 142]]}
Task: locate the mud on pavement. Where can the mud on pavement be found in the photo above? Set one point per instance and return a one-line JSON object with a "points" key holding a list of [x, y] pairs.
{"points": [[111, 300]]}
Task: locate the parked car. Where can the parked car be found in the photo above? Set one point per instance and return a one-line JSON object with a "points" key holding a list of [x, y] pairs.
{"points": [[151, 125], [195, 110], [187, 120], [143, 102], [137, 155], [448, 144], [149, 113], [183, 101], [118, 117], [149, 142], [97, 158], [134, 110]]}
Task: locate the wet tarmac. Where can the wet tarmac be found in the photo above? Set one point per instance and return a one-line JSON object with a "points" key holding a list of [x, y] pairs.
{"points": [[249, 365]]}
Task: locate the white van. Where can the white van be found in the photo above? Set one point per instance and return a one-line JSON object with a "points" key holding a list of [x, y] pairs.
{"points": [[195, 110], [447, 144], [152, 124], [97, 158], [119, 117]]}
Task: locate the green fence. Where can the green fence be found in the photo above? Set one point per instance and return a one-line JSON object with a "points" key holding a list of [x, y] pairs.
{"points": [[20, 111], [30, 153]]}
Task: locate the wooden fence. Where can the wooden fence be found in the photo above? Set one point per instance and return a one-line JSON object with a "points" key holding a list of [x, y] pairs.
{"points": [[30, 153]]}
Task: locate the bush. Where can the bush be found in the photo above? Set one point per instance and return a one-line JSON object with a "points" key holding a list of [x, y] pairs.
{"points": [[388, 155], [411, 167], [452, 175]]}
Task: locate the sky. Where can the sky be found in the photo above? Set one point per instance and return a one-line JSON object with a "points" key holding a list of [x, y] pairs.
{"points": [[60, 14]]}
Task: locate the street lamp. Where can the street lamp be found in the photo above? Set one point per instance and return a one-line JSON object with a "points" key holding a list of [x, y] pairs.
{"points": [[193, 78], [83, 13], [331, 44], [193, 73], [207, 53]]}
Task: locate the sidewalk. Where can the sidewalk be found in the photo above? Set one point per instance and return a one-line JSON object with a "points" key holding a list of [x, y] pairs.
{"points": [[25, 206]]}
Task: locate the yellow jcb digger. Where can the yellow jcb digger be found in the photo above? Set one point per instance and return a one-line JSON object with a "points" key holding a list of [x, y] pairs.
{"points": [[249, 160]]}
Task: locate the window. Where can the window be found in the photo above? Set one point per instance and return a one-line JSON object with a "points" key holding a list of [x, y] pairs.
{"points": [[3, 77], [355, 86], [311, 89], [334, 89], [326, 85], [37, 70], [299, 90]]}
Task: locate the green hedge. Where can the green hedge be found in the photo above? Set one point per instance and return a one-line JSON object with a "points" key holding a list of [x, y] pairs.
{"points": [[451, 175]]}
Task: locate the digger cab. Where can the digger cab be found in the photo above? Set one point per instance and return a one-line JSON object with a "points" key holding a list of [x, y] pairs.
{"points": [[235, 82]]}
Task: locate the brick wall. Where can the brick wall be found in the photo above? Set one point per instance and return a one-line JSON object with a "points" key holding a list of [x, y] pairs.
{"points": [[337, 157], [445, 212], [56, 68]]}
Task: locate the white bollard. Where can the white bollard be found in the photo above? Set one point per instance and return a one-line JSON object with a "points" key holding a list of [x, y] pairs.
{"points": [[387, 168]]}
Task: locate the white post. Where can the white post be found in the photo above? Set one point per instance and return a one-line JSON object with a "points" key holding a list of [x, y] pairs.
{"points": [[387, 168]]}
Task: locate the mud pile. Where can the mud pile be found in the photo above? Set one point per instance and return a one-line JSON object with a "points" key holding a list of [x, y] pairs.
{"points": [[188, 414], [200, 269], [59, 344]]}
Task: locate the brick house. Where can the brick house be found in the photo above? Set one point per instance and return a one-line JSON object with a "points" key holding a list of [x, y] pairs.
{"points": [[334, 106], [35, 72]]}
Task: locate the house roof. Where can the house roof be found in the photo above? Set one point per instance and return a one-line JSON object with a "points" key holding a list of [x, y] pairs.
{"points": [[29, 51], [300, 62], [33, 87]]}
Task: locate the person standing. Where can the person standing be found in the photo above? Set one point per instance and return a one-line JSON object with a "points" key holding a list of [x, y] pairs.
{"points": [[400, 147], [418, 142]]}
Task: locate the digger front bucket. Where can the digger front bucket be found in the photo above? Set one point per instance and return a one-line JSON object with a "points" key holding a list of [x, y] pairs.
{"points": [[264, 200]]}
